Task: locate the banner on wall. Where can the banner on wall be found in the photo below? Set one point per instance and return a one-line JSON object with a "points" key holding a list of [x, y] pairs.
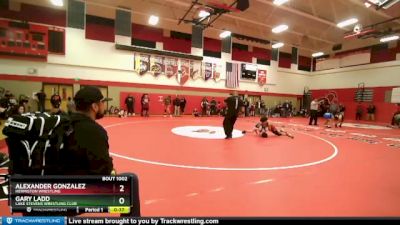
{"points": [[171, 67], [184, 71], [157, 66], [142, 63], [262, 77], [195, 69], [208, 71], [216, 71]]}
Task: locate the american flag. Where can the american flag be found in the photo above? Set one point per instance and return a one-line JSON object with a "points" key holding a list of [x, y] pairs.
{"points": [[232, 75]]}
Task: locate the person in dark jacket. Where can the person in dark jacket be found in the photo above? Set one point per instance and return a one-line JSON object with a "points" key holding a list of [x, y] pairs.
{"points": [[213, 106], [130, 105], [234, 105], [41, 96], [145, 102], [182, 104], [371, 112], [86, 148], [359, 111], [177, 106]]}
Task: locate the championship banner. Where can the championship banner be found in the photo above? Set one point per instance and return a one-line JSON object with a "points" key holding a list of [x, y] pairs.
{"points": [[208, 70], [195, 69], [157, 66], [142, 63], [171, 67], [185, 70], [262, 77], [216, 75]]}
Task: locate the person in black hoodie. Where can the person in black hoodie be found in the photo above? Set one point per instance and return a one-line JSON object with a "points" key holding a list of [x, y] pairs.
{"points": [[86, 147]]}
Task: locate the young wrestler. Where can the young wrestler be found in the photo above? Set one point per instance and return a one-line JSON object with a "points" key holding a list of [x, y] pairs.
{"points": [[339, 117], [279, 132], [329, 117], [122, 113], [196, 113], [262, 127]]}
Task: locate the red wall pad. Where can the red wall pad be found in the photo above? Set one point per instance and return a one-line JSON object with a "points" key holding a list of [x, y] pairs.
{"points": [[146, 33], [241, 55], [177, 45]]}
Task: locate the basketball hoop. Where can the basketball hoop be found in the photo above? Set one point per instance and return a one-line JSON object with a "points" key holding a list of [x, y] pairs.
{"points": [[202, 13]]}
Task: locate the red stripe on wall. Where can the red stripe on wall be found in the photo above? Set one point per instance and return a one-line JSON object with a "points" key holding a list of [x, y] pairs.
{"points": [[53, 79], [37, 14], [146, 33]]}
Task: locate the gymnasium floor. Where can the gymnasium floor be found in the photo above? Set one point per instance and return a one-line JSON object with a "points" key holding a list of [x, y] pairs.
{"points": [[349, 171]]}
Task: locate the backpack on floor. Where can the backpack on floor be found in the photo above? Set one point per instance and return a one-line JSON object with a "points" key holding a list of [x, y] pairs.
{"points": [[34, 141]]}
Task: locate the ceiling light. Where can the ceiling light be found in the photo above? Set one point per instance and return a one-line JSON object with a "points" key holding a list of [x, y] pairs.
{"points": [[280, 28], [225, 34], [318, 54], [388, 4], [280, 2], [367, 4], [278, 45], [203, 13], [389, 38], [347, 22], [376, 2], [59, 3], [385, 4], [153, 20]]}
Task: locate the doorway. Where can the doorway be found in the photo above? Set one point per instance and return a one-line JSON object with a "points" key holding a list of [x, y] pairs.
{"points": [[64, 90]]}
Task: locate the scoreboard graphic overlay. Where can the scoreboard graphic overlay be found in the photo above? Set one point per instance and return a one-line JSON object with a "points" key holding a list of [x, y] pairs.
{"points": [[80, 194]]}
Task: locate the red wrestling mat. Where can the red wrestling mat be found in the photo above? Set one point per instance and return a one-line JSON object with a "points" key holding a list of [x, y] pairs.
{"points": [[349, 171]]}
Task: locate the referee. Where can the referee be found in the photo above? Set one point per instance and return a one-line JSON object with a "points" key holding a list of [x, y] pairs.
{"points": [[233, 104]]}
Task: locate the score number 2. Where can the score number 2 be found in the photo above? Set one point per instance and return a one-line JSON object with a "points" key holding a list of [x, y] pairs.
{"points": [[121, 189]]}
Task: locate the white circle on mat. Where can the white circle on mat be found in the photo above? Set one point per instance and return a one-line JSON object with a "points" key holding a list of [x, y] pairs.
{"points": [[204, 132]]}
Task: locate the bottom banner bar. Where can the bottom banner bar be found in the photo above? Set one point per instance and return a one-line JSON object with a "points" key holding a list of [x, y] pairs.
{"points": [[33, 220]]}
